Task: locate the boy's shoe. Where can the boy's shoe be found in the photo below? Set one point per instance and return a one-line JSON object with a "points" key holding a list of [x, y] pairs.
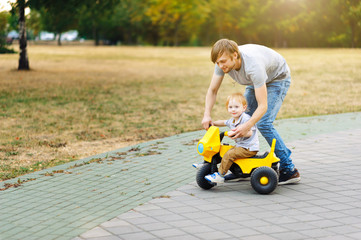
{"points": [[197, 165], [289, 176], [214, 178]]}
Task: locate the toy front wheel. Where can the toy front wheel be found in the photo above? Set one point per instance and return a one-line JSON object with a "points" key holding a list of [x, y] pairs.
{"points": [[264, 180], [201, 173]]}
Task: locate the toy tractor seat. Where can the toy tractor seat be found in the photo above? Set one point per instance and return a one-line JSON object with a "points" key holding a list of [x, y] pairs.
{"points": [[261, 156]]}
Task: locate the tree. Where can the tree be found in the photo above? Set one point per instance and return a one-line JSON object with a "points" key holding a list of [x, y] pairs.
{"points": [[132, 24], [95, 17], [3, 22], [276, 23], [23, 59], [241, 20], [177, 20], [351, 16], [33, 22], [57, 16]]}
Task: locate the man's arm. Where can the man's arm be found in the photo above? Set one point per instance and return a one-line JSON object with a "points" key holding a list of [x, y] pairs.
{"points": [[261, 97], [211, 99]]}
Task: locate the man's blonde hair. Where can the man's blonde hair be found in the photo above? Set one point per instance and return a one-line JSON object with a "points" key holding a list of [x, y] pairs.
{"points": [[238, 97], [222, 46]]}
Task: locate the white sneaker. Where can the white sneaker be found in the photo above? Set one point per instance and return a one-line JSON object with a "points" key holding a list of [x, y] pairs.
{"points": [[197, 165], [215, 178]]}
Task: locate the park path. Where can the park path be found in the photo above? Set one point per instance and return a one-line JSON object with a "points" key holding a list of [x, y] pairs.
{"points": [[147, 191]]}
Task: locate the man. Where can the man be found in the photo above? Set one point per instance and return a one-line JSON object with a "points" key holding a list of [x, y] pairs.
{"points": [[267, 76]]}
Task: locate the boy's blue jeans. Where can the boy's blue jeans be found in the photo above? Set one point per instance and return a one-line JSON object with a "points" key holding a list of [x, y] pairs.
{"points": [[276, 92]]}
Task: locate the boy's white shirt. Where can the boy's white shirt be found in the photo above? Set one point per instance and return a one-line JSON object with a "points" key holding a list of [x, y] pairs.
{"points": [[250, 143]]}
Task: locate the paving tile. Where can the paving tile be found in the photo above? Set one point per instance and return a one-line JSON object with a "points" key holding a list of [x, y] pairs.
{"points": [[96, 233], [186, 236], [112, 237], [349, 220], [154, 226], [213, 235], [344, 237], [260, 237], [141, 220], [317, 233], [355, 235], [242, 232], [138, 236], [165, 233], [270, 229], [115, 222], [344, 229], [197, 229], [169, 217], [123, 229], [289, 235]]}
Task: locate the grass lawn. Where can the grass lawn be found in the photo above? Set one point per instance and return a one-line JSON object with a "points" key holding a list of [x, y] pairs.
{"points": [[78, 101]]}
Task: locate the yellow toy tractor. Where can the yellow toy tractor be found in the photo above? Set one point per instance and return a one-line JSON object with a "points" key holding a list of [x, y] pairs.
{"points": [[263, 170]]}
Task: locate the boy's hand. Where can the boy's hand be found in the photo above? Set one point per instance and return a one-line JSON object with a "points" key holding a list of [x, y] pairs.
{"points": [[207, 122], [230, 133]]}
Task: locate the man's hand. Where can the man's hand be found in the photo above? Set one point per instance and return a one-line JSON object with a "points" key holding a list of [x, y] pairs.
{"points": [[240, 131], [206, 122]]}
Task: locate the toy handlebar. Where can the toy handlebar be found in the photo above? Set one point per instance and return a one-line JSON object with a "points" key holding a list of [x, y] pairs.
{"points": [[222, 134]]}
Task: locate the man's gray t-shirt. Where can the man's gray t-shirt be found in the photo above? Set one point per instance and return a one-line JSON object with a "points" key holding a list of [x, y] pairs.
{"points": [[250, 143], [260, 65]]}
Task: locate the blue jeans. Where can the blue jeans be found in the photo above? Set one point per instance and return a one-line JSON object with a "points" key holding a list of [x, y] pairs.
{"points": [[276, 92]]}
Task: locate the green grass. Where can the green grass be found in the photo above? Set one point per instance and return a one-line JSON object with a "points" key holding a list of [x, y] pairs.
{"points": [[78, 101]]}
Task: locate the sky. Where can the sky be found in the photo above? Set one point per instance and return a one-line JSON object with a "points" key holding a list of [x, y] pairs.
{"points": [[5, 6]]}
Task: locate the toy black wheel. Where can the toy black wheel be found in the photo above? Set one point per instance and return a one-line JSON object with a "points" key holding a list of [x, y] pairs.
{"points": [[264, 180], [201, 173]]}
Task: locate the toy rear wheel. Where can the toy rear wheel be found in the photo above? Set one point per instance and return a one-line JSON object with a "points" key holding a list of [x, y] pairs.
{"points": [[201, 173], [264, 180]]}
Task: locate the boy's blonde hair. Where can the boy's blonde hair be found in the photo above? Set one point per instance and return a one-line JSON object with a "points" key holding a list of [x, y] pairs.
{"points": [[238, 97], [224, 45]]}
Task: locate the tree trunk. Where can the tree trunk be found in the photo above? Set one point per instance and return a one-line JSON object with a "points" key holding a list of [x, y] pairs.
{"points": [[353, 30], [59, 39], [176, 31], [23, 59], [95, 33]]}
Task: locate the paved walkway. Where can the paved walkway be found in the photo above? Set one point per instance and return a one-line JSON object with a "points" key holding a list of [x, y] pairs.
{"points": [[148, 191]]}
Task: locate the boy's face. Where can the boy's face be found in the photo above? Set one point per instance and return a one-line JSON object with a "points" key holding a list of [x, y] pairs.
{"points": [[227, 61], [235, 108]]}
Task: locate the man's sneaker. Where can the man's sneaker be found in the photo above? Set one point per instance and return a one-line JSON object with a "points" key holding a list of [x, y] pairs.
{"points": [[215, 178], [197, 165], [231, 177], [287, 176]]}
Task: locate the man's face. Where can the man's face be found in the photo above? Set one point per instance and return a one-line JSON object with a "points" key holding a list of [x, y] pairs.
{"points": [[227, 62]]}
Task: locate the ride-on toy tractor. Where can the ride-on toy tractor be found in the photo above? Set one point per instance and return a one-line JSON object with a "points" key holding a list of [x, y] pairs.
{"points": [[262, 170]]}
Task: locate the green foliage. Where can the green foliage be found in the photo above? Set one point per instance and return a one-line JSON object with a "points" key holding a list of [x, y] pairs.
{"points": [[3, 22], [95, 19], [351, 17], [33, 22], [58, 16], [177, 20], [3, 27], [277, 23]]}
